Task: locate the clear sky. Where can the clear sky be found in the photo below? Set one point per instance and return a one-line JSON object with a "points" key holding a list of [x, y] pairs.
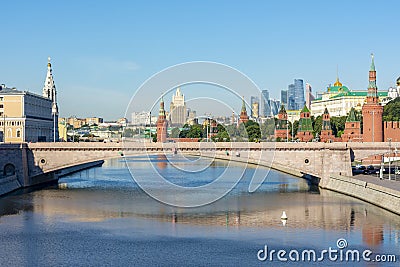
{"points": [[102, 51]]}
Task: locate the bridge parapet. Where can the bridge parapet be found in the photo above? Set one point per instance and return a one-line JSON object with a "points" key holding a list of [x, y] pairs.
{"points": [[38, 159]]}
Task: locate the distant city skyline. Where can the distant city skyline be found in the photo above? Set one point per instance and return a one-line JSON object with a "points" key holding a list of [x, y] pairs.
{"points": [[102, 55]]}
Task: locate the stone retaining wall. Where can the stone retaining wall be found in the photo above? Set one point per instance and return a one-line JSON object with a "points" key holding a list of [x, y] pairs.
{"points": [[383, 197]]}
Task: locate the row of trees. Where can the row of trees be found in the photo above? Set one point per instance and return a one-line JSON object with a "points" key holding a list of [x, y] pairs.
{"points": [[246, 131]]}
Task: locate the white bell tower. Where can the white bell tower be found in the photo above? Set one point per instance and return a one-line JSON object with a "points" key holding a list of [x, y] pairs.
{"points": [[50, 92]]}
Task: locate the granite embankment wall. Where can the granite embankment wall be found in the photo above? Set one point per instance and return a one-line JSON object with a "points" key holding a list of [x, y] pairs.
{"points": [[370, 192], [378, 195]]}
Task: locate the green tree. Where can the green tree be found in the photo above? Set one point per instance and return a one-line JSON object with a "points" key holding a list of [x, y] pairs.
{"points": [[185, 130], [232, 130], [317, 126], [338, 125], [195, 131], [295, 128], [221, 137], [268, 129], [175, 132], [253, 132], [128, 132], [242, 132]]}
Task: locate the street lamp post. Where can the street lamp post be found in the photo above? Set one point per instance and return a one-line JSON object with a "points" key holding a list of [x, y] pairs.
{"points": [[4, 128], [395, 168], [292, 128], [287, 131], [390, 150], [73, 128], [150, 128], [208, 121]]}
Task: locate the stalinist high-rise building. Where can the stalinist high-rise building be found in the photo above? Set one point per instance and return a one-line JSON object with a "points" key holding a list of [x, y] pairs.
{"points": [[177, 111]]}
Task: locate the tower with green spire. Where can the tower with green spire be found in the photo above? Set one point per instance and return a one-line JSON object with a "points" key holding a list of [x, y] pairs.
{"points": [[352, 130], [326, 131], [243, 113], [372, 110], [305, 130], [282, 128], [162, 123]]}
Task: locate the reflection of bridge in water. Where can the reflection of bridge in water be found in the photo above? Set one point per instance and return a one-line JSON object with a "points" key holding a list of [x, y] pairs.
{"points": [[23, 165], [326, 211]]}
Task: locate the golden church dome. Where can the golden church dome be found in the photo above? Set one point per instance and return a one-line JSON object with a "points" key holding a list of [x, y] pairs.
{"points": [[337, 83]]}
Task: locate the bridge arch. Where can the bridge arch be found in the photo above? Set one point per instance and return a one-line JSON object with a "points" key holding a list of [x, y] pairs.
{"points": [[9, 169]]}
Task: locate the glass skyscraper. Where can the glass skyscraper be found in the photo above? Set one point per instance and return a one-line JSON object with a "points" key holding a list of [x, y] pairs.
{"points": [[291, 97], [284, 98], [265, 100], [299, 93], [296, 95]]}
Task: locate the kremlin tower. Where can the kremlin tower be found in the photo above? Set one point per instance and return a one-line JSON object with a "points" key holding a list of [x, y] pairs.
{"points": [[326, 130], [305, 130], [162, 124], [281, 128], [243, 114], [372, 110]]}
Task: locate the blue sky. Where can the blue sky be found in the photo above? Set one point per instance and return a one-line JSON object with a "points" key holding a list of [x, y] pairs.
{"points": [[102, 51]]}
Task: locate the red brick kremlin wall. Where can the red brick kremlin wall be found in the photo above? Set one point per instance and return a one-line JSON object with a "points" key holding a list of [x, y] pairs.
{"points": [[391, 129]]}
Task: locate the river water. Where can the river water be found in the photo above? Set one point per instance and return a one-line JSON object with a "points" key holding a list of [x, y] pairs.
{"points": [[101, 217]]}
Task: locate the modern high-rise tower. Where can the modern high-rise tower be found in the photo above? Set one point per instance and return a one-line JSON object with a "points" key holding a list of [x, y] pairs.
{"points": [[296, 95], [284, 98], [266, 108], [299, 93], [291, 97], [309, 96]]}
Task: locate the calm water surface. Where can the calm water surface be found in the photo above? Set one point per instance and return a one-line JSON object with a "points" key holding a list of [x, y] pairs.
{"points": [[103, 218]]}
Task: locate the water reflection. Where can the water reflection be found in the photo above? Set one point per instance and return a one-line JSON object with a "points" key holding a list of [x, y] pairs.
{"points": [[101, 194]]}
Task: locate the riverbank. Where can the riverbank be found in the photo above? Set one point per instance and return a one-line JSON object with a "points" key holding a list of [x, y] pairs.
{"points": [[11, 183], [382, 193]]}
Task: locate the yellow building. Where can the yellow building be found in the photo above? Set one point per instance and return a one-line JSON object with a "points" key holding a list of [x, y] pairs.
{"points": [[25, 117], [93, 120], [76, 122], [62, 131], [339, 100], [28, 117]]}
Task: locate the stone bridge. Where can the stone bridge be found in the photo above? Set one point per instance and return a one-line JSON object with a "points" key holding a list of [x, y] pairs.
{"points": [[27, 164], [362, 151]]}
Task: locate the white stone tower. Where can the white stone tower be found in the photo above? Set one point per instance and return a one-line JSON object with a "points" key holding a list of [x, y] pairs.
{"points": [[50, 92]]}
